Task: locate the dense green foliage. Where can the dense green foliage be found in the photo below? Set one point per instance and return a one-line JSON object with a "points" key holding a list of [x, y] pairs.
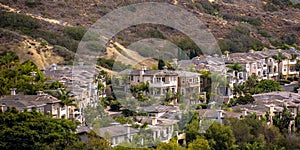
{"points": [[111, 64], [26, 77], [20, 22], [239, 40], [75, 32], [33, 130], [253, 86]]}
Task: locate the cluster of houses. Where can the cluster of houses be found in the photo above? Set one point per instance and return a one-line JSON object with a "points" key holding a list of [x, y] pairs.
{"points": [[185, 80]]}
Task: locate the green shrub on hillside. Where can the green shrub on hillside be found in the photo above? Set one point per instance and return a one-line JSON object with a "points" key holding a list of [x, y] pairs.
{"points": [[18, 22], [264, 33], [239, 40], [56, 39], [270, 7], [251, 20], [94, 46], [33, 3], [208, 7], [75, 33], [155, 34], [188, 45]]}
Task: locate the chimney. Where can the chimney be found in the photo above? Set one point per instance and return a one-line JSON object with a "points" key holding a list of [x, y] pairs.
{"points": [[220, 115], [165, 68], [298, 91], [251, 51], [13, 91], [154, 121], [142, 72], [53, 67]]}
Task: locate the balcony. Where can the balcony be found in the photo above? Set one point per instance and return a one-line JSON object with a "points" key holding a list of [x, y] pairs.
{"points": [[293, 72], [163, 84]]}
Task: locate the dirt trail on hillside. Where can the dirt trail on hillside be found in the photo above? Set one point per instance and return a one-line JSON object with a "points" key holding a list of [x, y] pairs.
{"points": [[52, 21]]}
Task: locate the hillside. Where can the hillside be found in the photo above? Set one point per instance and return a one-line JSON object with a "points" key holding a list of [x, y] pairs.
{"points": [[238, 26]]}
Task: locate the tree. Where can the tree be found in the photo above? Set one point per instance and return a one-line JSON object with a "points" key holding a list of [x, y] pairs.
{"points": [[265, 86], [33, 130], [243, 100], [8, 59], [279, 58], [161, 64], [93, 143], [235, 68], [66, 100], [171, 145], [282, 121], [192, 130], [220, 137], [199, 144], [239, 89], [241, 131]]}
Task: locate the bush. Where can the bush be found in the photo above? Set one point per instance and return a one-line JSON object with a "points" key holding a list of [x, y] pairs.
{"points": [[251, 20], [239, 40], [111, 64], [264, 33], [186, 44], [243, 100], [14, 21], [289, 39], [56, 39], [270, 7], [75, 33], [208, 7], [32, 3], [94, 46], [155, 34]]}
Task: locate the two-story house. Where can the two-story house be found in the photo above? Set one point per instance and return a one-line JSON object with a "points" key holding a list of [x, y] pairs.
{"points": [[43, 103]]}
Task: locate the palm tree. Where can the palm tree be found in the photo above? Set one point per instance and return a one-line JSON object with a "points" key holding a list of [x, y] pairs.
{"points": [[66, 100], [235, 68], [279, 58]]}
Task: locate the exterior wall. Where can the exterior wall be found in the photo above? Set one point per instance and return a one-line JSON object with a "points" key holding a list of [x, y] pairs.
{"points": [[189, 84]]}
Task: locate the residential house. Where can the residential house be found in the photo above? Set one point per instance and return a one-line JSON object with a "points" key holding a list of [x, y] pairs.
{"points": [[43, 103], [273, 102], [118, 133], [161, 81], [81, 80]]}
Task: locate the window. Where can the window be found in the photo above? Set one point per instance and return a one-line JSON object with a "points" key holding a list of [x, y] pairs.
{"points": [[131, 78], [284, 67], [157, 80], [163, 79]]}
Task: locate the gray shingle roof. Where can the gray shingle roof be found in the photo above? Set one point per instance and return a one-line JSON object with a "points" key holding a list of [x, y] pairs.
{"points": [[116, 130]]}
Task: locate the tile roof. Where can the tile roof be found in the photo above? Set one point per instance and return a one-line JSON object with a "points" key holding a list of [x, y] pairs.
{"points": [[116, 130], [27, 101]]}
